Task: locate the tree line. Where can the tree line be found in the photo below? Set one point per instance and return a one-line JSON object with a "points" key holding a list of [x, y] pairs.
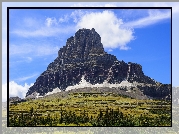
{"points": [[109, 117]]}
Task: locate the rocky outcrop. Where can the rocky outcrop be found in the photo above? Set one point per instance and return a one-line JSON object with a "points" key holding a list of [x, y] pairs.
{"points": [[13, 99], [84, 55], [157, 91]]}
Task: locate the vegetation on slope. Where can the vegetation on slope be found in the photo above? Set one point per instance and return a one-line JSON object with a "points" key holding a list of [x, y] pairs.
{"points": [[90, 109]]}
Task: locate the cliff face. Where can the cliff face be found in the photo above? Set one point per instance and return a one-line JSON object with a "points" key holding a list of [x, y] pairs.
{"points": [[84, 55]]}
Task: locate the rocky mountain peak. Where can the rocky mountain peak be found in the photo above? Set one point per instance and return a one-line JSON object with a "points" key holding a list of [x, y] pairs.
{"points": [[86, 42], [83, 57]]}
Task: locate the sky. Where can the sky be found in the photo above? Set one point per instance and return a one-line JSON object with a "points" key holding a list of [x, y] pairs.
{"points": [[132, 35]]}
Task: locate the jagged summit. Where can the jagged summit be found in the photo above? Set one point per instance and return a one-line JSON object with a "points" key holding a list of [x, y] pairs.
{"points": [[83, 57], [85, 43]]}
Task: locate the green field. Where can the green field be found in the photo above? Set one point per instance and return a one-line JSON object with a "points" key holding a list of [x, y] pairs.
{"points": [[90, 109]]}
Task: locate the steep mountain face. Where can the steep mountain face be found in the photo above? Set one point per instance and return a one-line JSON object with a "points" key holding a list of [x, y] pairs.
{"points": [[84, 56]]}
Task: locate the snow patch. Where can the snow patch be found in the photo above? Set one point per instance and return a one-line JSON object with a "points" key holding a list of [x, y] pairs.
{"points": [[38, 95], [55, 90], [83, 83]]}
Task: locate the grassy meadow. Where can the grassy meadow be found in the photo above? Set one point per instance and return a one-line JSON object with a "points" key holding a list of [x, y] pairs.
{"points": [[90, 109]]}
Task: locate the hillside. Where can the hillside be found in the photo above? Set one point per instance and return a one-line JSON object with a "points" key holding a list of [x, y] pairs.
{"points": [[90, 109]]}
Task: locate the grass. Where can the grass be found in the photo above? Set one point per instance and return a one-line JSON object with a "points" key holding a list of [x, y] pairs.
{"points": [[92, 107]]}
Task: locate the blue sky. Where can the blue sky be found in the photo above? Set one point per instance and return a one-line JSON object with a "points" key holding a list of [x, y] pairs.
{"points": [[140, 36]]}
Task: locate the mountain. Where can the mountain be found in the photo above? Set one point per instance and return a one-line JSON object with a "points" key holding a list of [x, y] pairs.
{"points": [[83, 61]]}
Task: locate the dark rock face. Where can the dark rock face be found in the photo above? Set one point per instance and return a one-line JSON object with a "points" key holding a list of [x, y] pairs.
{"points": [[84, 55], [162, 91]]}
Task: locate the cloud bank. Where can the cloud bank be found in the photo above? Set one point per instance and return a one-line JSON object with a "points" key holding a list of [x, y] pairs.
{"points": [[14, 90]]}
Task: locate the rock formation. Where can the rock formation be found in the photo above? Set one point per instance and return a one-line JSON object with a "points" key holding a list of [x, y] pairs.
{"points": [[84, 55]]}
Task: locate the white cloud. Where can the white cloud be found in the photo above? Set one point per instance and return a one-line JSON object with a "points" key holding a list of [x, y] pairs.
{"points": [[153, 17], [14, 90], [109, 28], [18, 90], [65, 18], [76, 15], [50, 21]]}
